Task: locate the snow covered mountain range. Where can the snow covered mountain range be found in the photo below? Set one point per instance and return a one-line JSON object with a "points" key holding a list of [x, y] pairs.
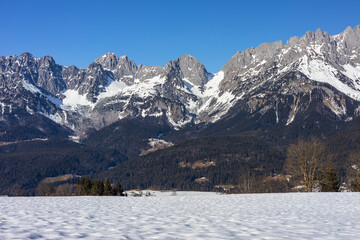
{"points": [[316, 72]]}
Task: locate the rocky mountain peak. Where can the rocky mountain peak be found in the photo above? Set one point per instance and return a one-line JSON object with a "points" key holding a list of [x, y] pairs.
{"points": [[186, 58], [251, 56], [126, 65], [292, 41], [189, 69], [122, 68], [351, 37], [266, 50], [27, 55], [96, 66], [108, 61], [320, 35], [349, 29], [28, 59], [317, 36], [49, 75], [47, 61]]}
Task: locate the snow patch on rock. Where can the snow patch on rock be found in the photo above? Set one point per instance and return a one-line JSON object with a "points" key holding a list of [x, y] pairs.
{"points": [[73, 99], [318, 70]]}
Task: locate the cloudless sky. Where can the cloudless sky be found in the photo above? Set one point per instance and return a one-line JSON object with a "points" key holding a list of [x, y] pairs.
{"points": [[76, 32]]}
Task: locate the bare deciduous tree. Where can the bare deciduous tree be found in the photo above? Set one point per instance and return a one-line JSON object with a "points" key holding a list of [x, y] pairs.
{"points": [[306, 160], [45, 188], [65, 189], [16, 190], [246, 183]]}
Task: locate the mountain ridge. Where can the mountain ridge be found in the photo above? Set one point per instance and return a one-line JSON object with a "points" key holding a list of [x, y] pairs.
{"points": [[183, 92]]}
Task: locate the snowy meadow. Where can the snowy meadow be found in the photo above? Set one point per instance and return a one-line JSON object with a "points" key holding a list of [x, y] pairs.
{"points": [[187, 215]]}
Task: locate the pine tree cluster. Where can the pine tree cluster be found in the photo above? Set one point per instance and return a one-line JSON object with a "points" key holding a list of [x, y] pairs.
{"points": [[96, 187], [356, 186]]}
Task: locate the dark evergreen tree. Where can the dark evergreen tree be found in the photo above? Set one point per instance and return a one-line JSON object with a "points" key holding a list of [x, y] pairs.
{"points": [[119, 190], [356, 186], [330, 182], [108, 190], [97, 188], [86, 186]]}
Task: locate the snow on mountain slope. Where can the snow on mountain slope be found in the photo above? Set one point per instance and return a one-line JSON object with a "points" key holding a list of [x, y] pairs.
{"points": [[352, 72], [72, 99], [28, 86], [112, 89], [142, 89], [319, 71], [214, 103]]}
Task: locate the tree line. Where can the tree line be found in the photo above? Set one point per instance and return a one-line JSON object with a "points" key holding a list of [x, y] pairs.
{"points": [[242, 164], [96, 187], [246, 163], [83, 187], [25, 165]]}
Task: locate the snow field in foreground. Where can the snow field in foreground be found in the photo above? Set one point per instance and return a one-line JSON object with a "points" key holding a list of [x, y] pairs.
{"points": [[188, 215]]}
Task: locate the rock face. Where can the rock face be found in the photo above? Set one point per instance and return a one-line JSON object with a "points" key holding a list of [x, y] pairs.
{"points": [[329, 65], [282, 81]]}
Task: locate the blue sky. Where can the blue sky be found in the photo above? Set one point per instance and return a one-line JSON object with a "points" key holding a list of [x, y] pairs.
{"points": [[76, 32]]}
